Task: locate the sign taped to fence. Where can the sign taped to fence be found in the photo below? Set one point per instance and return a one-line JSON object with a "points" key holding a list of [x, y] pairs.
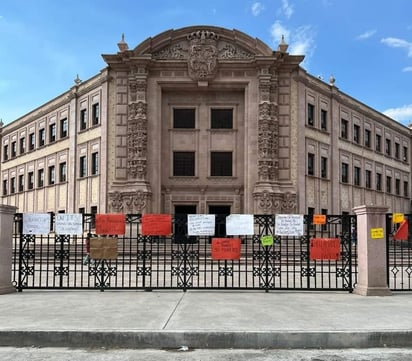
{"points": [[104, 248], [397, 217], [201, 224], [239, 224], [156, 224], [325, 249], [69, 223], [267, 240], [111, 224], [319, 219], [226, 249], [36, 223], [289, 225]]}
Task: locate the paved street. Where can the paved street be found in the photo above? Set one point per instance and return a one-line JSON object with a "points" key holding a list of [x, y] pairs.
{"points": [[67, 354]]}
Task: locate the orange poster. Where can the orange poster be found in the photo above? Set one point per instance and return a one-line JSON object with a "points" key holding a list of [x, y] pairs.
{"points": [[319, 219], [324, 249], [113, 224], [156, 225], [226, 248]]}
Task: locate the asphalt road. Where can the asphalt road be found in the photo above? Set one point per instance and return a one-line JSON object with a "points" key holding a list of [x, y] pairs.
{"points": [[67, 354]]}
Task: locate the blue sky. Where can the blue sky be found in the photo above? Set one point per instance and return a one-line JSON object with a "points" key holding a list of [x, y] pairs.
{"points": [[365, 44]]}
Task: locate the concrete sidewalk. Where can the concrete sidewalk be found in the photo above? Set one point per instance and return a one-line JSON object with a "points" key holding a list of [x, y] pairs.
{"points": [[204, 319]]}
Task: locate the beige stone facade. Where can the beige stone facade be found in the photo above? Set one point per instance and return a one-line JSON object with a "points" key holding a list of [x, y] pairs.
{"points": [[204, 120]]}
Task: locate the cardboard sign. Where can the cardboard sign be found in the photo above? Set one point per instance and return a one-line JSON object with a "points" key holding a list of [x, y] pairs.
{"points": [[156, 224], [226, 248], [110, 224], [319, 219], [36, 223], [267, 240], [377, 233], [289, 225], [69, 223], [239, 224], [201, 224], [103, 248], [397, 217], [325, 249]]}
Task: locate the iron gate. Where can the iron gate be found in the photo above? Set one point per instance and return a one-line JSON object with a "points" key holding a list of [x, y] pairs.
{"points": [[181, 262]]}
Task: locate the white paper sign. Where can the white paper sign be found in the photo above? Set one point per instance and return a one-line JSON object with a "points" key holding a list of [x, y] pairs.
{"points": [[201, 224], [289, 225], [69, 223], [239, 224], [36, 223]]}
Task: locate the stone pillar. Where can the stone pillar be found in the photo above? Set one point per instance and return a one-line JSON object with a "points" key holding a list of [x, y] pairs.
{"points": [[6, 244], [372, 267]]}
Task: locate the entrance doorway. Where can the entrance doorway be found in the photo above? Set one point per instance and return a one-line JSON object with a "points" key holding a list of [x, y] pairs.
{"points": [[221, 211]]}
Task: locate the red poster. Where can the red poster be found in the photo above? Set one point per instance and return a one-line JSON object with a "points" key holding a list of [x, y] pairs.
{"points": [[325, 249], [113, 224], [402, 232], [226, 248], [156, 225]]}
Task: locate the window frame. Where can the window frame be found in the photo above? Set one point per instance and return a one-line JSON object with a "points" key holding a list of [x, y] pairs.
{"points": [[184, 164], [182, 120], [218, 169]]}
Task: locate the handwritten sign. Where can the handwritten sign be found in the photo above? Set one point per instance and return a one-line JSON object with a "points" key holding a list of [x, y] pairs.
{"points": [[201, 224], [267, 240], [237, 224], [110, 224], [397, 217], [377, 233], [319, 219], [325, 249], [289, 225], [36, 223], [156, 224], [103, 248], [69, 223], [226, 248]]}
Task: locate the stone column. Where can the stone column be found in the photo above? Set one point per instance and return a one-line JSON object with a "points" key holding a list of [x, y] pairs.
{"points": [[372, 267], [6, 244]]}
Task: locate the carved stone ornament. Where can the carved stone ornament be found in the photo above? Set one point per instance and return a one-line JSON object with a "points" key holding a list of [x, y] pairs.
{"points": [[128, 202], [275, 203], [202, 61]]}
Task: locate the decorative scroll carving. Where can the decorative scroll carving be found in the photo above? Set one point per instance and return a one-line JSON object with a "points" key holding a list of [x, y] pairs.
{"points": [[275, 203], [229, 51], [129, 202], [173, 52], [289, 203]]}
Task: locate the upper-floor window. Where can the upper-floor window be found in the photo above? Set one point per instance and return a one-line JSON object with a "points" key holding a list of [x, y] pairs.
{"points": [[356, 133], [21, 183], [6, 152], [82, 166], [95, 163], [311, 164], [405, 154], [183, 164], [397, 151], [368, 179], [40, 178], [344, 128], [184, 118], [388, 184], [22, 145], [378, 181], [13, 185], [83, 119], [221, 164], [32, 141], [367, 138], [52, 175], [95, 113], [323, 119], [324, 167], [13, 149], [311, 114], [63, 128], [52, 132], [5, 187], [378, 143], [405, 189], [397, 186], [356, 176], [30, 180], [221, 118], [62, 172], [345, 172], [42, 137], [388, 147]]}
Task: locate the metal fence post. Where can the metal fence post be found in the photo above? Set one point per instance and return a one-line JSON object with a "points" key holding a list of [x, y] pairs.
{"points": [[6, 248]]}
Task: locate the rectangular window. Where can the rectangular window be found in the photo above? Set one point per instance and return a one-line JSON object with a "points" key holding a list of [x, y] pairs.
{"points": [[95, 113], [21, 183], [311, 114], [221, 118], [32, 141], [6, 152], [82, 167], [95, 163], [311, 164], [30, 183], [93, 211], [52, 133], [184, 118], [83, 119], [324, 167], [13, 149], [183, 164], [13, 185], [368, 179], [367, 138], [5, 187], [388, 184], [323, 119], [63, 128], [388, 147], [356, 133], [52, 175], [62, 172], [405, 189], [397, 187], [345, 173], [405, 154], [356, 176], [311, 212], [397, 151], [378, 181], [42, 137], [22, 145], [344, 129], [221, 164], [378, 143]]}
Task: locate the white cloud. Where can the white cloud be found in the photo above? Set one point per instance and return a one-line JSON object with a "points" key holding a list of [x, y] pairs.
{"points": [[398, 43], [366, 35], [403, 113], [257, 8], [407, 68], [277, 30], [287, 8]]}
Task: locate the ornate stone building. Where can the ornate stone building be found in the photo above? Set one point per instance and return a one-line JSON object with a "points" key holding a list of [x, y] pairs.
{"points": [[204, 120]]}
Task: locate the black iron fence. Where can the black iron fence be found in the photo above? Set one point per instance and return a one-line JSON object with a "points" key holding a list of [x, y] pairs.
{"points": [[399, 255], [181, 262]]}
